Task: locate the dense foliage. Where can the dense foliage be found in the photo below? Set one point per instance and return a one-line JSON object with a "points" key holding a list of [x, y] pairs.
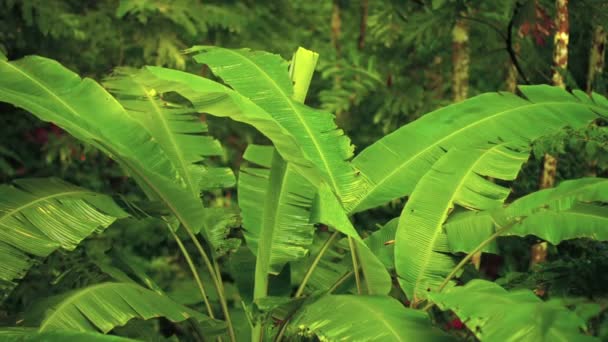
{"points": [[163, 182]]}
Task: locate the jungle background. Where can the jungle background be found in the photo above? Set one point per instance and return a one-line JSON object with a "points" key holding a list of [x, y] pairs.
{"points": [[382, 64]]}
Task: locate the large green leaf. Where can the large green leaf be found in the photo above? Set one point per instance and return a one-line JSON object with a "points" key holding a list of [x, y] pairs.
{"points": [[394, 164], [103, 307], [574, 209], [275, 201], [362, 318], [176, 128], [493, 314], [215, 99], [33, 335], [421, 247], [38, 216], [85, 110], [263, 78]]}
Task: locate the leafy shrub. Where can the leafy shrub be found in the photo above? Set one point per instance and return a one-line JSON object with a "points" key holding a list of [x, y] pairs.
{"points": [[449, 163]]}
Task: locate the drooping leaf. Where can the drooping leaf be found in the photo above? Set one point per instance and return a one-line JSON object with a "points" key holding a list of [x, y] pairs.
{"points": [[33, 335], [85, 110], [393, 165], [275, 202], [38, 216], [103, 307], [362, 318], [177, 128], [421, 250], [574, 209], [482, 306], [263, 78], [215, 99]]}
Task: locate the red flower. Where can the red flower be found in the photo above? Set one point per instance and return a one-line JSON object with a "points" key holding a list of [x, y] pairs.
{"points": [[457, 324]]}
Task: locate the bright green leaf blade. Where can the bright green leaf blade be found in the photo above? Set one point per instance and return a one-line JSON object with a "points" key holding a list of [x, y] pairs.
{"points": [[215, 99], [33, 335], [574, 209], [85, 110], [38, 216], [178, 130], [81, 107], [421, 245], [263, 78], [105, 306], [481, 305], [394, 164], [362, 318], [275, 202]]}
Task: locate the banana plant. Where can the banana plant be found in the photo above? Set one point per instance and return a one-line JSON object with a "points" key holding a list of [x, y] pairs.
{"points": [[308, 179]]}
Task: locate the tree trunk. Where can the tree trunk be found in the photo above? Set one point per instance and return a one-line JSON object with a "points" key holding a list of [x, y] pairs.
{"points": [[336, 27], [511, 82], [363, 24], [596, 57], [560, 64], [596, 67], [460, 60]]}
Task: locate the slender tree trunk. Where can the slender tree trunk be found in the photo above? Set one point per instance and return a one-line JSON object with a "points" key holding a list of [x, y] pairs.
{"points": [[363, 24], [596, 67], [336, 26], [511, 82], [560, 64], [596, 57], [460, 60]]}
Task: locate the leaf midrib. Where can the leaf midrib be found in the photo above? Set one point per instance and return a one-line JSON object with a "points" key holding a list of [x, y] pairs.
{"points": [[184, 166], [45, 198], [377, 185], [437, 230], [311, 134], [73, 298]]}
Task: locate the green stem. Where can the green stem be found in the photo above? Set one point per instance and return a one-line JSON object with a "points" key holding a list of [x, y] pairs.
{"points": [[353, 254], [307, 276], [466, 259], [197, 278], [340, 281], [315, 262], [217, 282]]}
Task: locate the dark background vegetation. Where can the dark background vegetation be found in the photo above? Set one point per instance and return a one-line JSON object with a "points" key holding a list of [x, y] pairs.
{"points": [[382, 64]]}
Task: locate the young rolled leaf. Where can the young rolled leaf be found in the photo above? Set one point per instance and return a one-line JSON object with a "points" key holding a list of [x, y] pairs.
{"points": [[481, 305], [38, 216], [392, 166], [275, 201], [574, 209], [362, 318], [33, 335], [421, 250], [263, 78], [103, 307]]}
